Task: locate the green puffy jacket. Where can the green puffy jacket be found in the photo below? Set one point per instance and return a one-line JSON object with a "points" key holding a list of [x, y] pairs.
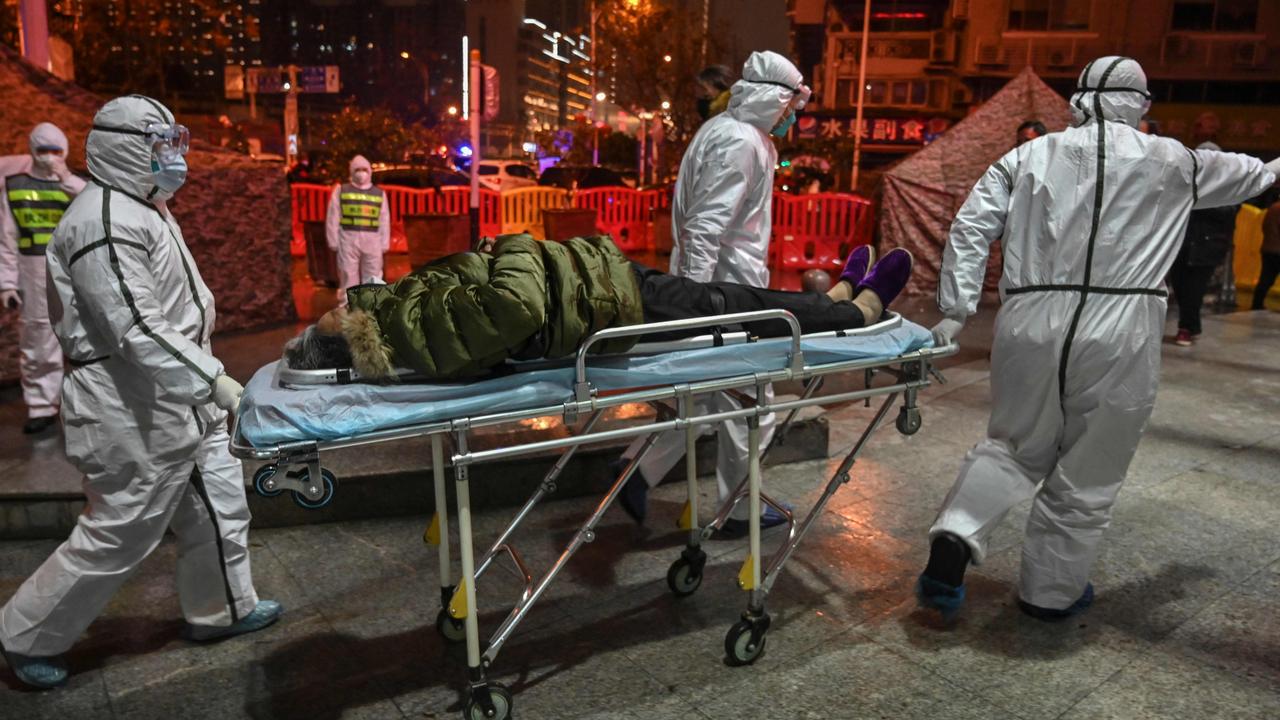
{"points": [[463, 314]]}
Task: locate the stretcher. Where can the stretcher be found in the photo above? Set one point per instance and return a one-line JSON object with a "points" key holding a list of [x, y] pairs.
{"points": [[290, 417]]}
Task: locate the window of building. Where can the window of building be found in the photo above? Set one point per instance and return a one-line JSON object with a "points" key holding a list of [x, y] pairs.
{"points": [[898, 15], [845, 93], [1215, 15], [1060, 15]]}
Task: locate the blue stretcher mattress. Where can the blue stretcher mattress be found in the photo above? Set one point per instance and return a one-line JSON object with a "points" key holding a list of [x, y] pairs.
{"points": [[271, 414]]}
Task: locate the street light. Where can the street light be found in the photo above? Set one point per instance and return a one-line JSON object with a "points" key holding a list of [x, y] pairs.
{"points": [[601, 97], [666, 58], [404, 54], [453, 110], [666, 105]]}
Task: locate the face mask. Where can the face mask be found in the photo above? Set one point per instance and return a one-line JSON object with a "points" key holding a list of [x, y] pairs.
{"points": [[784, 126], [47, 159], [360, 177], [704, 107], [168, 176]]}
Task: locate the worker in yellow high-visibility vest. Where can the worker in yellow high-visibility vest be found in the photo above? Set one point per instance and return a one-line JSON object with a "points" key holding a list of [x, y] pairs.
{"points": [[31, 204], [358, 228]]}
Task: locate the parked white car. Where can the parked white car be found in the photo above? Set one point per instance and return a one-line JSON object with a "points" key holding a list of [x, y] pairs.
{"points": [[506, 175]]}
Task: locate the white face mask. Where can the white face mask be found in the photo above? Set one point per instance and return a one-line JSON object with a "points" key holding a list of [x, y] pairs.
{"points": [[360, 177], [47, 159]]}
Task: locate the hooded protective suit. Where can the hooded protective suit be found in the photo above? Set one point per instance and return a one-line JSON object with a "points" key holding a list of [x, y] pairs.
{"points": [[1090, 220], [358, 228], [31, 204], [134, 318], [721, 220]]}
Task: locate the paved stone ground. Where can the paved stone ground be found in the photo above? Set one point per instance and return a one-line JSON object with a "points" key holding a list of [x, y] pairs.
{"points": [[1186, 624]]}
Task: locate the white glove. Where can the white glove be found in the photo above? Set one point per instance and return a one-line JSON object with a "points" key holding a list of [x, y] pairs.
{"points": [[227, 392], [945, 331], [58, 166], [10, 300]]}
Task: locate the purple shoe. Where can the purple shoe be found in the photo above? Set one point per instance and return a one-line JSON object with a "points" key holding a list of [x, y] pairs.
{"points": [[858, 264], [888, 277]]}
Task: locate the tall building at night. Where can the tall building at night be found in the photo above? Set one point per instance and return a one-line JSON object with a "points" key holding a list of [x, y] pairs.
{"points": [[934, 60], [405, 55], [544, 70]]}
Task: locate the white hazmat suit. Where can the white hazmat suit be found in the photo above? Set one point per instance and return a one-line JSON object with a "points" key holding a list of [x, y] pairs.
{"points": [[40, 196], [1090, 219], [357, 226], [721, 221], [134, 318]]}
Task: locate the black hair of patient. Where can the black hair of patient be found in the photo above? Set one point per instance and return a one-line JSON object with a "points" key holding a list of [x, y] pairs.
{"points": [[314, 350]]}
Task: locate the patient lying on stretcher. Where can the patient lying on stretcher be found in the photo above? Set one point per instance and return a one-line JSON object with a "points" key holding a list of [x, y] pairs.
{"points": [[464, 314]]}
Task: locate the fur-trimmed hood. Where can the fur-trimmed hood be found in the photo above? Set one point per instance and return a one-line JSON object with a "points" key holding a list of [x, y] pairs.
{"points": [[369, 355]]}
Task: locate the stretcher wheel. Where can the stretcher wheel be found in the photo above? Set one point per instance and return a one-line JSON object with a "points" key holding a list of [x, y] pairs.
{"points": [[262, 481], [502, 703], [451, 629], [739, 648], [908, 421], [330, 484], [683, 579]]}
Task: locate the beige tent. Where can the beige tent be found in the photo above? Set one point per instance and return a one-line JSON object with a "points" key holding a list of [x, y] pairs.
{"points": [[921, 195]]}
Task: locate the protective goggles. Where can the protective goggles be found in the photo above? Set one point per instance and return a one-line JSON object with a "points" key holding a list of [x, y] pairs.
{"points": [[167, 140], [799, 94]]}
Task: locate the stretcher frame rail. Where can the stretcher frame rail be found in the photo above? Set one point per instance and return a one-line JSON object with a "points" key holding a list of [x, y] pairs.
{"points": [[457, 619]]}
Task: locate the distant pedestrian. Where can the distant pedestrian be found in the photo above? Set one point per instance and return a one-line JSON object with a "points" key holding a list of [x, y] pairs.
{"points": [[1270, 253], [1030, 130], [713, 90], [1204, 247], [358, 227]]}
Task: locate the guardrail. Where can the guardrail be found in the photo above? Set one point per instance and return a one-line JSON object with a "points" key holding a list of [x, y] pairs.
{"points": [[809, 231]]}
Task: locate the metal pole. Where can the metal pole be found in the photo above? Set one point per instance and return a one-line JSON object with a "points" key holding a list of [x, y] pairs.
{"points": [[34, 36], [475, 148], [862, 89], [595, 132], [442, 508]]}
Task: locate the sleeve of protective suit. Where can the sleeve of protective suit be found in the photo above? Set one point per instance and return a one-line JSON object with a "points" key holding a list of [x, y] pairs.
{"points": [[8, 244], [333, 218], [1224, 178], [979, 223], [73, 183], [722, 188], [384, 224], [115, 288]]}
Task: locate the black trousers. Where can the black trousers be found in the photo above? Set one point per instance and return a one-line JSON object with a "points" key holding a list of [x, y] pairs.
{"points": [[667, 297], [1189, 284], [1270, 269]]}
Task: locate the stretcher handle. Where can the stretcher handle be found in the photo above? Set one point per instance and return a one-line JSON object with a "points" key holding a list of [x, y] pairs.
{"points": [[582, 390]]}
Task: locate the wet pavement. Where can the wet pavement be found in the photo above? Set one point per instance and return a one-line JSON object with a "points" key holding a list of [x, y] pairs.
{"points": [[1186, 623]]}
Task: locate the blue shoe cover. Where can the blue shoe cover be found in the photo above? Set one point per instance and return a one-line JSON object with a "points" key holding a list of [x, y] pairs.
{"points": [[1053, 614], [937, 595], [38, 672], [267, 612]]}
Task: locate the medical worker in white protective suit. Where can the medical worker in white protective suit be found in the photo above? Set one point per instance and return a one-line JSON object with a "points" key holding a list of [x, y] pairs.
{"points": [[31, 205], [357, 226], [721, 222], [144, 406], [1090, 220]]}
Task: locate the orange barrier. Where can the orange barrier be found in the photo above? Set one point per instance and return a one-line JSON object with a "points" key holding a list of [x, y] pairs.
{"points": [[624, 214], [311, 202], [809, 231], [522, 209], [815, 232]]}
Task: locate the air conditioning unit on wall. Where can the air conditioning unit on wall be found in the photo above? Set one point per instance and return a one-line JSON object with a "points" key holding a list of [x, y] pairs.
{"points": [[1061, 56], [942, 48], [1250, 53], [989, 51]]}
